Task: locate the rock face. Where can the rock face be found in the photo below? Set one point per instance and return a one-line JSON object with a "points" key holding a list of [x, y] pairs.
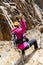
{"points": [[8, 56], [4, 32], [40, 3], [33, 34], [40, 28]]}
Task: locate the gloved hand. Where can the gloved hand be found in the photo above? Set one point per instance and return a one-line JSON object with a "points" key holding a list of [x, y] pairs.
{"points": [[20, 16]]}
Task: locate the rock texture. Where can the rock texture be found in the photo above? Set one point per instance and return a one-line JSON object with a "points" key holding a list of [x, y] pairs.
{"points": [[8, 56], [40, 3]]}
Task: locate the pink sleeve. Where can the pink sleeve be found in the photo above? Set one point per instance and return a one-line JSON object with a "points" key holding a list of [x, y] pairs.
{"points": [[13, 31], [23, 24]]}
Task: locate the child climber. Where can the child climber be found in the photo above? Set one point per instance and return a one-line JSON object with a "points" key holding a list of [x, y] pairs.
{"points": [[20, 38]]}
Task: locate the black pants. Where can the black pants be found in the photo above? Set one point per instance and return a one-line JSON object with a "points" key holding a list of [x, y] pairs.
{"points": [[31, 42]]}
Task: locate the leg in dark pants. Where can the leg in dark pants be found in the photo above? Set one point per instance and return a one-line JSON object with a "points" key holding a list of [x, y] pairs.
{"points": [[33, 42]]}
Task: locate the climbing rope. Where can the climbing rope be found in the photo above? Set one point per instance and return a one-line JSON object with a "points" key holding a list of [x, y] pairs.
{"points": [[7, 17]]}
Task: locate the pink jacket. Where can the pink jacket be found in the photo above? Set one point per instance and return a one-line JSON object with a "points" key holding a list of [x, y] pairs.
{"points": [[20, 31]]}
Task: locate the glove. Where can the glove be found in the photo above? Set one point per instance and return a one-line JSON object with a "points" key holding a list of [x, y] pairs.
{"points": [[20, 16]]}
